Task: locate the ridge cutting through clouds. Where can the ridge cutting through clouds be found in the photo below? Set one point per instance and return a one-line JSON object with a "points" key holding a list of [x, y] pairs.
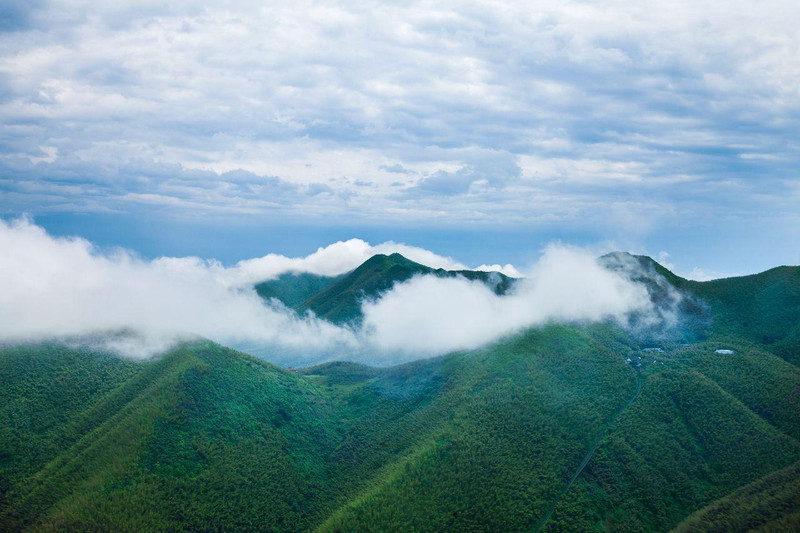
{"points": [[610, 114], [62, 288]]}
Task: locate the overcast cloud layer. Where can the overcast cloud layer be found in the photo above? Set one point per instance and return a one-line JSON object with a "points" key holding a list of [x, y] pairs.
{"points": [[63, 288], [605, 114]]}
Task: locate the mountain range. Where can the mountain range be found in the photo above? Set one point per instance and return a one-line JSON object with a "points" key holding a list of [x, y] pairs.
{"points": [[690, 424]]}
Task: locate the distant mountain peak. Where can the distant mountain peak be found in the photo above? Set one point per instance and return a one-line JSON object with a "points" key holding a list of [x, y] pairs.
{"points": [[339, 299], [393, 258], [639, 267]]}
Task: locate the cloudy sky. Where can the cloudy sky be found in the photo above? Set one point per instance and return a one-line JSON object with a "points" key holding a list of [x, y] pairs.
{"points": [[480, 130]]}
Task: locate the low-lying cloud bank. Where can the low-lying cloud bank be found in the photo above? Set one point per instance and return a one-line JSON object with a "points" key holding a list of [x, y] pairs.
{"points": [[430, 315], [54, 287], [63, 288]]}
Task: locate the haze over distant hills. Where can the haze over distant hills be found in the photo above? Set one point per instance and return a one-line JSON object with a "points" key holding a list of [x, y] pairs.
{"points": [[568, 425]]}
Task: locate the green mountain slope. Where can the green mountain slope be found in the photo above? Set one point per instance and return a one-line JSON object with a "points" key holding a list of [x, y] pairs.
{"points": [[761, 308], [295, 288], [560, 428], [243, 438], [519, 418], [252, 443], [684, 442], [769, 504], [340, 302]]}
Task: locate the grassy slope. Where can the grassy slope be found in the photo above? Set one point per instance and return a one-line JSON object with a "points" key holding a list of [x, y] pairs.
{"points": [[206, 438]]}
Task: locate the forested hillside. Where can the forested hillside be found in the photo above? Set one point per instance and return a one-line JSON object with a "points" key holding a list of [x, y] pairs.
{"points": [[561, 428]]}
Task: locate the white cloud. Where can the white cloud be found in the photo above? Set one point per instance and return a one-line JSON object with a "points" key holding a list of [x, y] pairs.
{"points": [[63, 288], [576, 94], [427, 315], [663, 259], [341, 257], [508, 269]]}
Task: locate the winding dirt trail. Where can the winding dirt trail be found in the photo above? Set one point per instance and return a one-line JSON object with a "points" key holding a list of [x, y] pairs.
{"points": [[588, 457]]}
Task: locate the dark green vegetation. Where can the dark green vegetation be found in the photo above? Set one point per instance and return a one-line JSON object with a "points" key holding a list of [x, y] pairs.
{"points": [[292, 289], [553, 430], [769, 504], [338, 299], [763, 308]]}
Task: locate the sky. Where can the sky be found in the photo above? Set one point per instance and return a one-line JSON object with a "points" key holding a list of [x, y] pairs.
{"points": [[480, 130]]}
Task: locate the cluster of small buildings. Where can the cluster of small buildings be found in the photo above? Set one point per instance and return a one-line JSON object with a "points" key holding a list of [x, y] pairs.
{"points": [[637, 361]]}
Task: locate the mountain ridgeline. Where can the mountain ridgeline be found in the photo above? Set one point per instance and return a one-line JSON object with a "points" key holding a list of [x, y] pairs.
{"points": [[566, 427], [338, 298]]}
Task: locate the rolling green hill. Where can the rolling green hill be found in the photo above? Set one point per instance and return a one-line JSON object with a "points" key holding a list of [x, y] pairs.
{"points": [[560, 428]]}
